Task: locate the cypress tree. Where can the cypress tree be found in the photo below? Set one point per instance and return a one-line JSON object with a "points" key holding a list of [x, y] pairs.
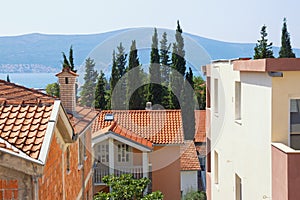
{"points": [[114, 77], [178, 65], [155, 88], [121, 60], [263, 49], [7, 78], [100, 92], [88, 88], [165, 60], [286, 48], [69, 63], [135, 93]]}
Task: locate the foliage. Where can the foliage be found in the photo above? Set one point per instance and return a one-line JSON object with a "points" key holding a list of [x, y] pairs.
{"points": [[7, 78], [194, 195], [53, 89], [135, 93], [263, 49], [69, 63], [178, 65], [100, 92], [286, 48], [126, 187], [165, 60], [200, 91], [155, 88], [114, 77], [88, 88]]}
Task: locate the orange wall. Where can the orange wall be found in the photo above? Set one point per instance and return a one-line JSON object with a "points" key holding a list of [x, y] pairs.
{"points": [[166, 171]]}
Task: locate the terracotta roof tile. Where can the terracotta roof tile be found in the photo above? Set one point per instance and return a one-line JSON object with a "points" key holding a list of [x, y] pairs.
{"points": [[157, 126], [189, 160], [24, 116], [200, 121]]}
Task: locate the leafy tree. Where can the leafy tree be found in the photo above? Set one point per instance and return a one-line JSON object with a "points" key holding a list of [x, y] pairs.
{"points": [[53, 89], [126, 187], [178, 65], [7, 78], [88, 88], [286, 48], [155, 88], [195, 195], [263, 49], [100, 92], [135, 93]]}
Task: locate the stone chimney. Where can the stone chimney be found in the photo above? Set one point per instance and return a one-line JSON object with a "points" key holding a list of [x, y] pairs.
{"points": [[148, 106], [67, 87]]}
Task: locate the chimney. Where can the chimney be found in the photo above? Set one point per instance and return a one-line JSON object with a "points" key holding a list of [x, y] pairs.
{"points": [[67, 80], [148, 106]]}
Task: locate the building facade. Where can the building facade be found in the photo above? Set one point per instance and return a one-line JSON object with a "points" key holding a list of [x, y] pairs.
{"points": [[253, 129]]}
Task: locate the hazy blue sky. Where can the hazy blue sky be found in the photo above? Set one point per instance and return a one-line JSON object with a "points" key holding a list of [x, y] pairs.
{"points": [[227, 20]]}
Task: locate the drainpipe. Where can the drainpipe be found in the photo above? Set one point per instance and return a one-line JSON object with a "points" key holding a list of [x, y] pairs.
{"points": [[35, 187], [82, 179]]}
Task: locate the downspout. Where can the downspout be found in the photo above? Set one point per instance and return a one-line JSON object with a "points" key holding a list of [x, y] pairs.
{"points": [[82, 179], [35, 187]]}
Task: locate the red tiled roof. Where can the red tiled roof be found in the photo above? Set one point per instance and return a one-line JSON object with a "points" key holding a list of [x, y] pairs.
{"points": [[189, 160], [116, 128], [157, 126], [200, 121]]}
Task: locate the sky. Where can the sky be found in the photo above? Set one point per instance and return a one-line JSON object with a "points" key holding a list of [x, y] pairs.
{"points": [[225, 20]]}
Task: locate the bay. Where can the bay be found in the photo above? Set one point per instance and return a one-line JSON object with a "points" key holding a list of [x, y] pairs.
{"points": [[31, 80]]}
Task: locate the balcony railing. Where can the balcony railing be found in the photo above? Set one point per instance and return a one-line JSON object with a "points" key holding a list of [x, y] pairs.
{"points": [[101, 171]]}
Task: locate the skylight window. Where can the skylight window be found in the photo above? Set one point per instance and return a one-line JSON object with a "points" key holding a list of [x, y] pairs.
{"points": [[109, 117]]}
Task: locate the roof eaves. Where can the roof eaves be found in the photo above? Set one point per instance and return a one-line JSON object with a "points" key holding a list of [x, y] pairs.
{"points": [[49, 132]]}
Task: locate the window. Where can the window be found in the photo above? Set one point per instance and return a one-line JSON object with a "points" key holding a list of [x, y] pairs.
{"points": [[109, 117], [102, 153], [68, 159], [238, 188], [66, 80], [237, 100], [295, 124], [123, 153], [216, 168], [216, 96]]}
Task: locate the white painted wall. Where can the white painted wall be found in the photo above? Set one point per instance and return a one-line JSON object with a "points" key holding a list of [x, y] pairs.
{"points": [[188, 181], [243, 147]]}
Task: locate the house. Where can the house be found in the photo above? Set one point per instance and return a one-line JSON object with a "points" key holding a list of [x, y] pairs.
{"points": [[145, 143], [45, 143], [189, 167], [253, 129]]}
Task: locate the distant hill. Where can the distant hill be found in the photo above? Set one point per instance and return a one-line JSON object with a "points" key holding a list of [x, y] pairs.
{"points": [[42, 53]]}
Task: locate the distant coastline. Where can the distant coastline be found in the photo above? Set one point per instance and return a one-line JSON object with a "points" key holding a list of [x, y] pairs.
{"points": [[27, 68]]}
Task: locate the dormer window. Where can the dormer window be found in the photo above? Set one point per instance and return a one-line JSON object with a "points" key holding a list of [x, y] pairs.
{"points": [[66, 80]]}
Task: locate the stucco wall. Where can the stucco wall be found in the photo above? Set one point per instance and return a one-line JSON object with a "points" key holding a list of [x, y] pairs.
{"points": [[189, 181], [166, 171], [243, 146]]}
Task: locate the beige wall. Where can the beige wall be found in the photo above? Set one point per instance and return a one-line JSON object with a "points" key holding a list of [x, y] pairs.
{"points": [[243, 146], [284, 89]]}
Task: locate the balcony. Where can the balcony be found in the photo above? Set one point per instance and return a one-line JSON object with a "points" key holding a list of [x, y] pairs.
{"points": [[103, 170], [285, 172]]}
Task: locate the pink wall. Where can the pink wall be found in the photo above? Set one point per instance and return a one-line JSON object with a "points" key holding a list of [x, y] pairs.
{"points": [[208, 186], [285, 175]]}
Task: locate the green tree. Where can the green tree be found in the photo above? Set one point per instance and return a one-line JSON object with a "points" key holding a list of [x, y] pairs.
{"points": [[114, 77], [155, 88], [121, 60], [100, 92], [88, 89], [263, 49], [194, 195], [135, 93], [178, 65], [200, 91], [7, 78], [69, 63], [165, 60], [286, 48], [53, 89], [126, 187]]}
